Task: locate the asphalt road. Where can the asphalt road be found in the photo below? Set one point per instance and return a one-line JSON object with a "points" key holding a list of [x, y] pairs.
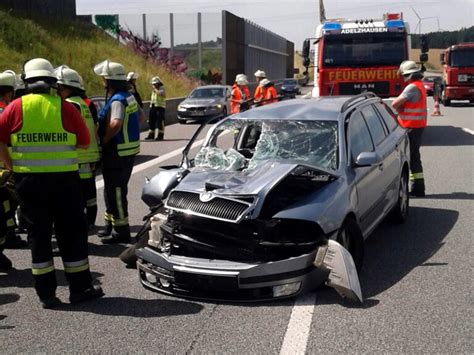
{"points": [[416, 280]]}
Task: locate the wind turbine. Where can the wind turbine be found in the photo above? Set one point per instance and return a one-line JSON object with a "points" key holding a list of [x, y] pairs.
{"points": [[418, 25]]}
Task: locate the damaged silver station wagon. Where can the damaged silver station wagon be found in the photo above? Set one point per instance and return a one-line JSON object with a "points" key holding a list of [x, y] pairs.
{"points": [[277, 201]]}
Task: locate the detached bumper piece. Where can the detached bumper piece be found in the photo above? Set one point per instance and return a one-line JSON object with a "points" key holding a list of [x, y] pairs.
{"points": [[239, 281]]}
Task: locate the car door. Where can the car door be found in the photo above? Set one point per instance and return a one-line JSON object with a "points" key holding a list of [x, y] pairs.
{"points": [[366, 179], [386, 148]]}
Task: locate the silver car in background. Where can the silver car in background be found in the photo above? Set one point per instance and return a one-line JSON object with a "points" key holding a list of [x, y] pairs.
{"points": [[205, 102], [278, 200]]}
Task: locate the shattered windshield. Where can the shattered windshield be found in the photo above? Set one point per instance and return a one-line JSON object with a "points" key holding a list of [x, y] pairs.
{"points": [[245, 144]]}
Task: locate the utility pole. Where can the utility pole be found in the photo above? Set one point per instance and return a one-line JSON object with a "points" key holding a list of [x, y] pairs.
{"points": [[171, 38], [199, 41], [144, 26]]}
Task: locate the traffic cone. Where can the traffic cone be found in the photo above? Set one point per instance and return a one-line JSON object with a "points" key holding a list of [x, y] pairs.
{"points": [[436, 110]]}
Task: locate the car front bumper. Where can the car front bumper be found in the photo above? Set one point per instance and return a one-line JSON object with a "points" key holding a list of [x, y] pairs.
{"points": [[228, 280], [188, 116]]}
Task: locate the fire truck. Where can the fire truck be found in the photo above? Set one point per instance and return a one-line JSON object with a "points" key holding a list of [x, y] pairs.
{"points": [[458, 73], [352, 56]]}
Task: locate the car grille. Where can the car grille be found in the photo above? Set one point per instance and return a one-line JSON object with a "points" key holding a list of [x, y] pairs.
{"points": [[218, 208], [379, 88], [195, 109]]}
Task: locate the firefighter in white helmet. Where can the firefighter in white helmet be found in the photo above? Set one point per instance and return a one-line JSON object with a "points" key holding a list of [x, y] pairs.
{"points": [[71, 88], [119, 134], [240, 94], [45, 133], [412, 114], [132, 83], [156, 119]]}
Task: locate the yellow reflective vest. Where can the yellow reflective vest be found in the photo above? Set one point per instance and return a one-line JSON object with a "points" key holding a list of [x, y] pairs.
{"points": [[43, 145]]}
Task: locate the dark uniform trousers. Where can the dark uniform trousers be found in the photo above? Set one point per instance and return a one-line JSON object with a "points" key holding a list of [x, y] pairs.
{"points": [[416, 169], [89, 195], [55, 199], [4, 196], [116, 172], [156, 119]]}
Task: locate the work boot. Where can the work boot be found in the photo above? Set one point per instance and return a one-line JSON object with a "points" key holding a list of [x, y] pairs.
{"points": [[5, 263], [160, 137], [105, 231], [150, 137], [51, 302], [119, 235], [89, 294], [14, 241]]}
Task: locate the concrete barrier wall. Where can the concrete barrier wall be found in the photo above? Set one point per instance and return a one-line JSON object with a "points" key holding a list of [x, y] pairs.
{"points": [[171, 111]]}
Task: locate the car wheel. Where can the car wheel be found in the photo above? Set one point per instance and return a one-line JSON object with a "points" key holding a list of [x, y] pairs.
{"points": [[445, 101], [350, 237], [399, 213]]}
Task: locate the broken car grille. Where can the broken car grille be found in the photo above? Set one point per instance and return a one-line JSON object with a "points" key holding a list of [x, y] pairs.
{"points": [[219, 208]]}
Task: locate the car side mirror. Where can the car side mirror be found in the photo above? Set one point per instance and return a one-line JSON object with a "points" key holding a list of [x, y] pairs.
{"points": [[368, 159]]}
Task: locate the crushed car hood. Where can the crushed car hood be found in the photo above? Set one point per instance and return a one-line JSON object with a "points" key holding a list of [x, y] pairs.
{"points": [[250, 182]]}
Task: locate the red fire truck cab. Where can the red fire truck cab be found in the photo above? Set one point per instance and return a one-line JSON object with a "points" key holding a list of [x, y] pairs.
{"points": [[458, 73]]}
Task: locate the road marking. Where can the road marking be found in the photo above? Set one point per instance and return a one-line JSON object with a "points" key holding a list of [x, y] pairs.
{"points": [[140, 167], [299, 326], [470, 131]]}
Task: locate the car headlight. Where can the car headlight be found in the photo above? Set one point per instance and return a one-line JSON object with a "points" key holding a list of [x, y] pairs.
{"points": [[218, 106], [462, 77], [181, 108]]}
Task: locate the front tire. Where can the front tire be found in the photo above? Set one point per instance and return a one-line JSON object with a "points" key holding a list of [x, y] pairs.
{"points": [[350, 237]]}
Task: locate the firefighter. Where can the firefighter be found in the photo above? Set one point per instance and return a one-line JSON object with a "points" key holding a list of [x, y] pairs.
{"points": [[156, 119], [240, 94], [412, 114], [45, 133], [9, 204], [269, 94], [119, 134], [71, 89], [258, 94], [132, 87], [7, 85]]}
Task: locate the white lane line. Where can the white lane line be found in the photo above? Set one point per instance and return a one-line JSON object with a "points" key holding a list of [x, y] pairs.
{"points": [[140, 167], [299, 326], [470, 131]]}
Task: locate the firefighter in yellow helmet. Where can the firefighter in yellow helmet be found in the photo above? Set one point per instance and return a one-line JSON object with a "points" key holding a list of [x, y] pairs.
{"points": [[71, 88], [45, 133]]}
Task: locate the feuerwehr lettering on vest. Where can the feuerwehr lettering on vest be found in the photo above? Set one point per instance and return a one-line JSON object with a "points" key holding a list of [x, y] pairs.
{"points": [[51, 137]]}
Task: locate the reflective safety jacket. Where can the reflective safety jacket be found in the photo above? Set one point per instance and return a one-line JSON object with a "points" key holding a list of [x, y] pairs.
{"points": [[91, 154], [42, 145], [269, 93], [258, 94], [414, 114], [238, 94], [128, 138], [158, 100]]}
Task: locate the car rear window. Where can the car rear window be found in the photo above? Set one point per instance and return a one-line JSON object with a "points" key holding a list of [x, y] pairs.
{"points": [[376, 128], [387, 116]]}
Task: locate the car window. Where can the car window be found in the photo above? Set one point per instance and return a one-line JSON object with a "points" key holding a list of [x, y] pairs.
{"points": [[359, 136], [388, 117], [376, 128]]}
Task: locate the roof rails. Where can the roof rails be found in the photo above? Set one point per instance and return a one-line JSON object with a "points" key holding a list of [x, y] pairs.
{"points": [[353, 100]]}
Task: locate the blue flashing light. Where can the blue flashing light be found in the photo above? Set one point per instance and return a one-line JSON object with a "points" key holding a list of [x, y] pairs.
{"points": [[332, 26], [395, 23]]}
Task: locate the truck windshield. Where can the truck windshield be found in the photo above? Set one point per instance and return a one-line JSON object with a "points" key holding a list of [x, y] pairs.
{"points": [[462, 58], [357, 51]]}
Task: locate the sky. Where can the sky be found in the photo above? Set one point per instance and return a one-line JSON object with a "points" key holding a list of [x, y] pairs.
{"points": [[292, 19]]}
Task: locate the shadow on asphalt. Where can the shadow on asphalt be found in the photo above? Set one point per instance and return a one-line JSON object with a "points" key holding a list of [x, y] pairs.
{"points": [[393, 251], [446, 136], [451, 196], [9, 298], [24, 278], [106, 250], [131, 307]]}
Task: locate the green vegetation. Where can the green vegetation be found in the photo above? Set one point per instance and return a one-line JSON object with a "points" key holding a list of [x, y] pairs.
{"points": [[211, 60], [79, 45], [444, 39]]}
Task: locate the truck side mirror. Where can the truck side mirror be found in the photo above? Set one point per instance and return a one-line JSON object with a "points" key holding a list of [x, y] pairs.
{"points": [[441, 59], [306, 46]]}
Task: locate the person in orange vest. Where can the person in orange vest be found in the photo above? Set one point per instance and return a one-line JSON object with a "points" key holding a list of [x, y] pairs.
{"points": [[258, 94], [268, 92], [240, 94], [412, 115]]}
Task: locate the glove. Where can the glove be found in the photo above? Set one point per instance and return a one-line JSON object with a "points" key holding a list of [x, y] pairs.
{"points": [[4, 177]]}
